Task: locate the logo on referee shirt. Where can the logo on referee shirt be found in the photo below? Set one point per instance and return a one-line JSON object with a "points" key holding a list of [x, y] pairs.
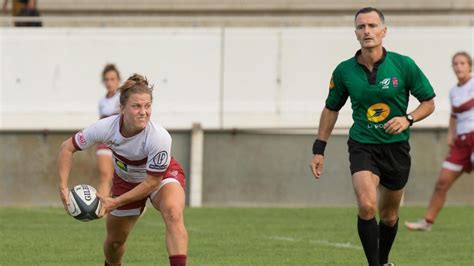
{"points": [[159, 161], [385, 83], [395, 82], [378, 112]]}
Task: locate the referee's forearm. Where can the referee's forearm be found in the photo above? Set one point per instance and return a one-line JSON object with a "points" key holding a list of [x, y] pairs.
{"points": [[326, 123], [423, 110]]}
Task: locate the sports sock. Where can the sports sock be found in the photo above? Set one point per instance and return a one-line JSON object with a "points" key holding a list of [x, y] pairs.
{"points": [[369, 237], [387, 236], [178, 260], [429, 221]]}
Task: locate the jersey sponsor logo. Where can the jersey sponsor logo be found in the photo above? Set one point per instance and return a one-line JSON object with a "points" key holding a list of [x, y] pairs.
{"points": [[331, 84], [82, 139], [121, 165], [159, 161], [378, 112], [137, 170], [395, 82], [173, 173], [385, 83]]}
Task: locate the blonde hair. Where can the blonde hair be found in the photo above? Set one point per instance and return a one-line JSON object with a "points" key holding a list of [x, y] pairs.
{"points": [[136, 83]]}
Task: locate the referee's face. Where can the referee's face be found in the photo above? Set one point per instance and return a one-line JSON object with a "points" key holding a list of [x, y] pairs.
{"points": [[369, 30]]}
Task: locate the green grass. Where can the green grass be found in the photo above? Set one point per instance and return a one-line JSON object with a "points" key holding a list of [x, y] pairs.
{"points": [[234, 236]]}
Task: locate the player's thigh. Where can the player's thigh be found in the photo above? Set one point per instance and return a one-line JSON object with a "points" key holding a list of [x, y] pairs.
{"points": [[170, 196], [365, 187], [389, 200], [118, 227], [447, 177]]}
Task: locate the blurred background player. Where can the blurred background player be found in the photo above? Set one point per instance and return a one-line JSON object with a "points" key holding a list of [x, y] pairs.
{"points": [[144, 169], [460, 138], [109, 105], [378, 82], [23, 8]]}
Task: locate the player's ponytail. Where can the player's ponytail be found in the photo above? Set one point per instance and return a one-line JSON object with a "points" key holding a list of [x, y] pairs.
{"points": [[134, 84]]}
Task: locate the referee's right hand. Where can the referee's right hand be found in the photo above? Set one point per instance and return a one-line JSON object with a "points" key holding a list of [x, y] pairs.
{"points": [[317, 165]]}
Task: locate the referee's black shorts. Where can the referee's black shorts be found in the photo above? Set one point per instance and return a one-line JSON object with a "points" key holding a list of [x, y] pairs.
{"points": [[391, 161]]}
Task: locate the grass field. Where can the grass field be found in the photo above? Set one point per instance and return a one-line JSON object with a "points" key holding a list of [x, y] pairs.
{"points": [[233, 236]]}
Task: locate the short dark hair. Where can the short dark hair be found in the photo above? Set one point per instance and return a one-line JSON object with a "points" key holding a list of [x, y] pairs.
{"points": [[368, 10]]}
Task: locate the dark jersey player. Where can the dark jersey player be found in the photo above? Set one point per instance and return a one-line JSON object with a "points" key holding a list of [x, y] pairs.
{"points": [[379, 83]]}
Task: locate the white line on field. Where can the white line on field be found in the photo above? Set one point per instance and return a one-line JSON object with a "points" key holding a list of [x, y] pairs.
{"points": [[284, 238], [337, 245], [317, 242]]}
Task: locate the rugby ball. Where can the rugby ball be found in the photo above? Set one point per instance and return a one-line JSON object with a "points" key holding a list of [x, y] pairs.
{"points": [[84, 205]]}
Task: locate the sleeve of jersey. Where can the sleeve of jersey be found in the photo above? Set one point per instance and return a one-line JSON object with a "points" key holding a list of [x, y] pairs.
{"points": [[87, 137], [338, 93], [419, 85], [159, 156]]}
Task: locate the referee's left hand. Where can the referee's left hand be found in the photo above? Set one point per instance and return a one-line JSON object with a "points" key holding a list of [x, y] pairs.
{"points": [[317, 165], [396, 125]]}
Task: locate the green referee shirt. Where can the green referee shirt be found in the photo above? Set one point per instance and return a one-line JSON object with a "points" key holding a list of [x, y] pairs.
{"points": [[377, 96]]}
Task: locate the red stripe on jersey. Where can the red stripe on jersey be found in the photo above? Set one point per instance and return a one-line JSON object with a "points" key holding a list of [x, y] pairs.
{"points": [[130, 162], [74, 143], [464, 107]]}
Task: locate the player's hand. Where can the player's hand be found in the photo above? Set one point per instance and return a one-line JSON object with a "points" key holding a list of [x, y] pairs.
{"points": [[108, 204], [396, 125], [317, 165], [64, 194]]}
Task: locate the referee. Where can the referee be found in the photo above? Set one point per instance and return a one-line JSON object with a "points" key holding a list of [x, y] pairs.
{"points": [[379, 83]]}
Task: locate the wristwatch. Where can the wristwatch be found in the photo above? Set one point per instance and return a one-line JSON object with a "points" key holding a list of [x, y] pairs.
{"points": [[410, 119]]}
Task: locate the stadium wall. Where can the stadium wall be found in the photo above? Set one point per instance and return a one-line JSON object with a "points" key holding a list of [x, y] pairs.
{"points": [[222, 78], [255, 91], [240, 168]]}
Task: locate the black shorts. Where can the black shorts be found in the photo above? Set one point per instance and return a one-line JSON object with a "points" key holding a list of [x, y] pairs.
{"points": [[391, 161]]}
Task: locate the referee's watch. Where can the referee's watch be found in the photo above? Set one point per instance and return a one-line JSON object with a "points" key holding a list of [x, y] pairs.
{"points": [[410, 119]]}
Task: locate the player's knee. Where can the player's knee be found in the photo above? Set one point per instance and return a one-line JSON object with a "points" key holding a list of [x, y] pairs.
{"points": [[389, 219], [115, 244], [367, 210], [441, 185], [172, 214]]}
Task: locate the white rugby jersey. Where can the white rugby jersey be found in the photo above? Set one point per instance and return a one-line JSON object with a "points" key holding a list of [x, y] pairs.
{"points": [[109, 106], [148, 152], [462, 102]]}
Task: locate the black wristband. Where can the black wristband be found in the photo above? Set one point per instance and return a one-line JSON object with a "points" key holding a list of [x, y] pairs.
{"points": [[319, 146]]}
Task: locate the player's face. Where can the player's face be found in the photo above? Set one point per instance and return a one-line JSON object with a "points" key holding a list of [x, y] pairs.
{"points": [[111, 81], [369, 30], [137, 111], [461, 67]]}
